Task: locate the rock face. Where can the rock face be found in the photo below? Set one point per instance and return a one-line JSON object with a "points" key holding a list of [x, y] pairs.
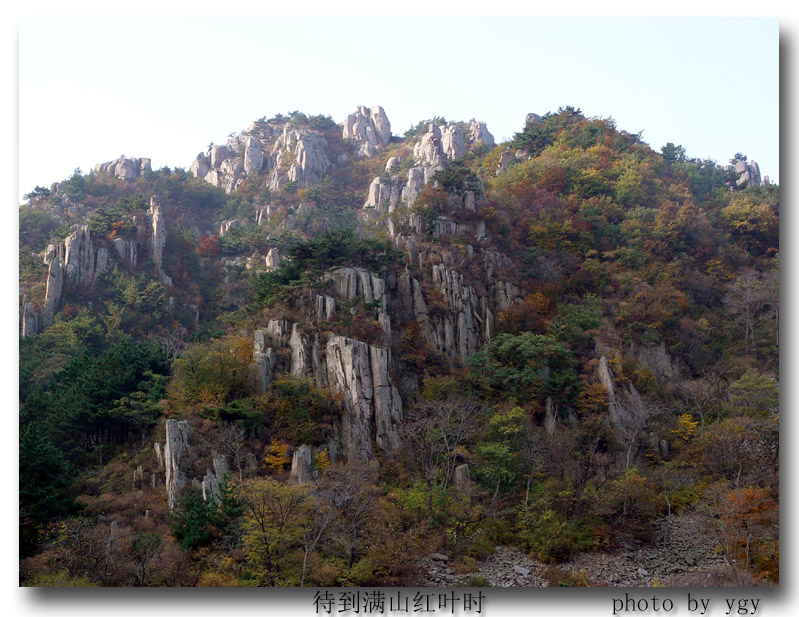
{"points": [[350, 283], [301, 466], [82, 260], [126, 251], [369, 128], [479, 134], [158, 238], [30, 319], [263, 362], [623, 404], [373, 406], [55, 285], [176, 452], [657, 360], [124, 168]]}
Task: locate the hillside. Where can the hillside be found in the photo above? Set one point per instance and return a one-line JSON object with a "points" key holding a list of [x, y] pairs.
{"points": [[327, 354]]}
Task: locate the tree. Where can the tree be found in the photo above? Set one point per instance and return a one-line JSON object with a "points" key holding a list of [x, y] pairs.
{"points": [[349, 491], [44, 483], [745, 299], [522, 365], [500, 449], [672, 153], [232, 437], [276, 517], [754, 225], [754, 395], [192, 520], [746, 519], [145, 547], [438, 430]]}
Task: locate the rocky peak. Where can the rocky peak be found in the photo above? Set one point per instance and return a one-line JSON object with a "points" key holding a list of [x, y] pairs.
{"points": [[292, 154], [369, 128], [748, 174], [124, 168], [479, 134]]}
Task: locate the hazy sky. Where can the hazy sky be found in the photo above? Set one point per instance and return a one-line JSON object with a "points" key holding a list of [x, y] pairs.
{"points": [[92, 89]]}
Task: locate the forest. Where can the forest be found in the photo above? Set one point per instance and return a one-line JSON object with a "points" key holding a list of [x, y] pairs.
{"points": [[328, 355]]}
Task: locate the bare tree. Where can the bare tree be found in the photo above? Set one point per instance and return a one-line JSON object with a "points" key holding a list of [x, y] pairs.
{"points": [[349, 492], [173, 340], [323, 515], [231, 437], [534, 448], [746, 297], [703, 395], [437, 430]]}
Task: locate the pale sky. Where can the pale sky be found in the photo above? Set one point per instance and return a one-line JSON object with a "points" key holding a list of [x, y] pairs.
{"points": [[92, 89]]}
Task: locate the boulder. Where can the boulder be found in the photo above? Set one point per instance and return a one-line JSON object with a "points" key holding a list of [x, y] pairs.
{"points": [[273, 258], [462, 477]]}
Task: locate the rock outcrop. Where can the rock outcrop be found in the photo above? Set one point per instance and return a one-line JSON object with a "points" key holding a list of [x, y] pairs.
{"points": [[263, 362], [212, 481], [158, 238], [624, 404], [479, 134], [124, 168], [747, 174], [82, 260], [436, 148], [176, 454], [657, 360], [369, 128], [297, 155], [360, 372], [301, 466], [273, 258], [52, 298]]}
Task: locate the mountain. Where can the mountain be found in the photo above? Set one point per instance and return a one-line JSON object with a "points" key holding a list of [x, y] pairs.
{"points": [[326, 350]]}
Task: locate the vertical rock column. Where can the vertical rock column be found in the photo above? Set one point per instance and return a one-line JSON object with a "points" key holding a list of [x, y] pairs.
{"points": [[176, 453], [158, 239], [55, 285], [263, 362], [374, 408]]}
